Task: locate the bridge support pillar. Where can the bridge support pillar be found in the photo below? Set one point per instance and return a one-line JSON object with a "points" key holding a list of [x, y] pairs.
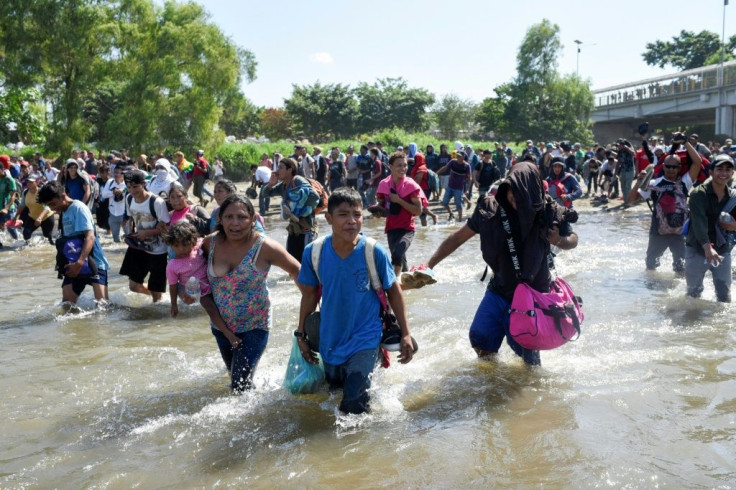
{"points": [[726, 120]]}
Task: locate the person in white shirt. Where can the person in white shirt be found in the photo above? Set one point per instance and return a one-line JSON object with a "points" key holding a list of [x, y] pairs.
{"points": [[260, 178], [114, 192]]}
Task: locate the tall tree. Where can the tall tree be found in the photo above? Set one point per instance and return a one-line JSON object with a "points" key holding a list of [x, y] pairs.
{"points": [[538, 103], [240, 117], [178, 67], [275, 123], [490, 115], [453, 115], [320, 110], [389, 102], [688, 50], [64, 48]]}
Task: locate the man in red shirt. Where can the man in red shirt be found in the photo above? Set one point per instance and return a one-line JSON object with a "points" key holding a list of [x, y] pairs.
{"points": [[201, 168]]}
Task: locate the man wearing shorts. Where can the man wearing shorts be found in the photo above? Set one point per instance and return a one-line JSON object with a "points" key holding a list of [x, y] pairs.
{"points": [[460, 177], [76, 221], [147, 253]]}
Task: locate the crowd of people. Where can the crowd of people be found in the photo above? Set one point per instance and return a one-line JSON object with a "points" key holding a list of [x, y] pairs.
{"points": [[222, 259]]}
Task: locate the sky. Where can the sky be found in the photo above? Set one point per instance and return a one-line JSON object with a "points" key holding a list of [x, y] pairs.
{"points": [[460, 47]]}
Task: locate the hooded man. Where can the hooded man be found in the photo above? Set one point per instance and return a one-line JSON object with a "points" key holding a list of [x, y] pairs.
{"points": [[536, 223], [160, 184]]}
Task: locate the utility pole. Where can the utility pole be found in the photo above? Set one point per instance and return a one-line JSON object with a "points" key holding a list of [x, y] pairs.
{"points": [[577, 58]]}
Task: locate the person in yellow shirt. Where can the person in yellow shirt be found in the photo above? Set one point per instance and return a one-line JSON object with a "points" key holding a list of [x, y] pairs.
{"points": [[34, 214], [186, 169]]}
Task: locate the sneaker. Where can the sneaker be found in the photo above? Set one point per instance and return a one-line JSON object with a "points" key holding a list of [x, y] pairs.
{"points": [[410, 281], [424, 274], [391, 340]]}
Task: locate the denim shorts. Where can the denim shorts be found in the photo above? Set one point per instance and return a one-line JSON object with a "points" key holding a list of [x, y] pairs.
{"points": [[354, 377], [491, 325]]}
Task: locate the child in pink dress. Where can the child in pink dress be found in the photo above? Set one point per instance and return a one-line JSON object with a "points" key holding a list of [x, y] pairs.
{"points": [[189, 261]]}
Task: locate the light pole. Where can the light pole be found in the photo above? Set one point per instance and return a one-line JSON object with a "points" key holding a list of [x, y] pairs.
{"points": [[577, 58], [724, 125]]}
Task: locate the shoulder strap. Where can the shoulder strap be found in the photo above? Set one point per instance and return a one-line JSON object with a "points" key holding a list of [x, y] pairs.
{"points": [[152, 205], [370, 262], [316, 255], [730, 204], [510, 242]]}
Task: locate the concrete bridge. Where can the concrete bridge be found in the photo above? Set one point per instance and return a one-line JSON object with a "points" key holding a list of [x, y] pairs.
{"points": [[703, 97]]}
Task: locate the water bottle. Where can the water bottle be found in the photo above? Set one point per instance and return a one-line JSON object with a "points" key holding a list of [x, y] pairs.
{"points": [[192, 287], [725, 218]]}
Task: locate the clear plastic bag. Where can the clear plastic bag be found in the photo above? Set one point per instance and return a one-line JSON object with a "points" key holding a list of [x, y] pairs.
{"points": [[302, 377]]}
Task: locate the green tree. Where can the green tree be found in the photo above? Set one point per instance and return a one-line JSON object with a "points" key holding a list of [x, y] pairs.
{"points": [[389, 103], [20, 109], [490, 115], [320, 111], [538, 103], [240, 117], [178, 68], [275, 123], [453, 115], [64, 48], [688, 50]]}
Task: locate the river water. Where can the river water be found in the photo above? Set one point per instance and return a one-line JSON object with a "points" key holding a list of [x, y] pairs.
{"points": [[130, 398]]}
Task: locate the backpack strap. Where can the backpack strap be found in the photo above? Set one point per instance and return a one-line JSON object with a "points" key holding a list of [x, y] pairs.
{"points": [[316, 255], [151, 205], [370, 262]]}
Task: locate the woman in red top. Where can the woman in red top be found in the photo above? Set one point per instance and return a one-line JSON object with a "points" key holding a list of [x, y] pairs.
{"points": [[403, 198], [421, 176]]}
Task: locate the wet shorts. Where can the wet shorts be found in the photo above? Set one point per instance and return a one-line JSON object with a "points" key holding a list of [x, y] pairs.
{"points": [[137, 264], [78, 283]]}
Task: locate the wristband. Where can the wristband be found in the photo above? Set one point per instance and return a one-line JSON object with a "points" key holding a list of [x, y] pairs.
{"points": [[298, 334]]}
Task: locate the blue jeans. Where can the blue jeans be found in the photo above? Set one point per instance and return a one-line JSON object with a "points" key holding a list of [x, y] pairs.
{"points": [[242, 361], [264, 200], [353, 376], [457, 194], [695, 269], [116, 223], [491, 325]]}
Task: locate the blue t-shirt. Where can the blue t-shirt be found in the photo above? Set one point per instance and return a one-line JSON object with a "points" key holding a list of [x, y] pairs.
{"points": [[75, 188], [350, 307], [75, 221]]}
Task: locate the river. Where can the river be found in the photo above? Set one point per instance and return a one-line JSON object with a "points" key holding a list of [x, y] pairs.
{"points": [[128, 397]]}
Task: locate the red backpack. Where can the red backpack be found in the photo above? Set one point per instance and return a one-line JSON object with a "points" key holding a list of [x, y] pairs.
{"points": [[322, 204]]}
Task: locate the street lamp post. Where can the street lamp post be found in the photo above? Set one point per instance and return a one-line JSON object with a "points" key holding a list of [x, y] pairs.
{"points": [[724, 124], [577, 58]]}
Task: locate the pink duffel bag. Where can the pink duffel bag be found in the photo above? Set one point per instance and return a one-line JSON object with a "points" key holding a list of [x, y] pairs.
{"points": [[543, 321]]}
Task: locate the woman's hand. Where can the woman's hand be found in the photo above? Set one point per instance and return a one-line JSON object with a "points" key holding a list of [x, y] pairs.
{"points": [[235, 341]]}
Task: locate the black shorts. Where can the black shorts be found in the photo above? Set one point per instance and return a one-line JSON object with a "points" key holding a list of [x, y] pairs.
{"points": [[78, 283], [137, 264], [399, 241]]}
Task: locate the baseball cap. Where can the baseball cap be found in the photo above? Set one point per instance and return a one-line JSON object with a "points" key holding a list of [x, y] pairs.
{"points": [[723, 160], [33, 177], [557, 161]]}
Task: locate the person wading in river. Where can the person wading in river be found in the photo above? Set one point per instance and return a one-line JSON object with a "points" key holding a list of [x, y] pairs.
{"points": [[538, 223], [708, 246]]}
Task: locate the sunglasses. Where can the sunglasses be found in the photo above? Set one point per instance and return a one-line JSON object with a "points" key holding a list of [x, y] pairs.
{"points": [[671, 166]]}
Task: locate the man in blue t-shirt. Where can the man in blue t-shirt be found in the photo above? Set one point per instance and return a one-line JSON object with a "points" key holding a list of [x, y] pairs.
{"points": [[350, 327], [76, 222]]}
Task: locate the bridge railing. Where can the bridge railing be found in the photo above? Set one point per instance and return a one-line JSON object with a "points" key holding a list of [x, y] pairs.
{"points": [[696, 80]]}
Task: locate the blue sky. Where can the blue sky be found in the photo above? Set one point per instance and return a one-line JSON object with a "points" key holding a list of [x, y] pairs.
{"points": [[464, 47]]}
